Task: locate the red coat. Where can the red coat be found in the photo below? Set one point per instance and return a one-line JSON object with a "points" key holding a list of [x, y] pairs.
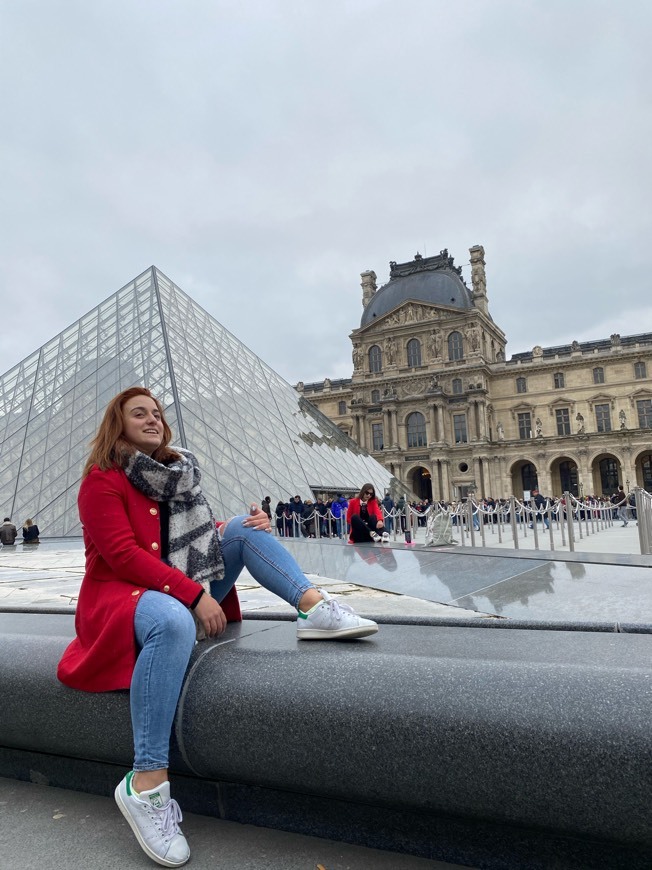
{"points": [[122, 536], [372, 506]]}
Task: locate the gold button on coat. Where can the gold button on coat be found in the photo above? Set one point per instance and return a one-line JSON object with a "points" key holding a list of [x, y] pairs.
{"points": [[166, 588], [136, 592], [154, 546], [153, 511]]}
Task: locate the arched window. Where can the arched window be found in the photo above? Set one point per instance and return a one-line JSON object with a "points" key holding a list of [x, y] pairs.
{"points": [[375, 359], [521, 385], [568, 477], [341, 407], [375, 397], [609, 475], [646, 470], [457, 386], [414, 352], [455, 346], [416, 430], [529, 477]]}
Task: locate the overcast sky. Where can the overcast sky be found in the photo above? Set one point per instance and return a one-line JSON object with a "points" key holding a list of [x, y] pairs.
{"points": [[262, 153]]}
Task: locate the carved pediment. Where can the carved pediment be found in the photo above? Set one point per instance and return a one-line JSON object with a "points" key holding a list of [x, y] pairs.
{"points": [[407, 388], [522, 408], [641, 393], [602, 399], [561, 402], [407, 313]]}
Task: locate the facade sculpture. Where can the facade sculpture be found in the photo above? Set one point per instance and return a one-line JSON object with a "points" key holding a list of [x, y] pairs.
{"points": [[390, 350], [434, 344]]}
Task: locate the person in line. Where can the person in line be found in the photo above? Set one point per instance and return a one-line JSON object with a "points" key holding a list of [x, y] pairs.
{"points": [[308, 519], [321, 512], [538, 503], [365, 517], [8, 533], [400, 508], [388, 509], [279, 511], [266, 506], [338, 512], [30, 532], [623, 505], [296, 515], [143, 601]]}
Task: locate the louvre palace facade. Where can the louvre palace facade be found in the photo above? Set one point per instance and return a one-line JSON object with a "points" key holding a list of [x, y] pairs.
{"points": [[435, 399]]}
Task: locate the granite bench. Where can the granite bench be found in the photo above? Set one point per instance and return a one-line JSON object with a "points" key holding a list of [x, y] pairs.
{"points": [[509, 748]]}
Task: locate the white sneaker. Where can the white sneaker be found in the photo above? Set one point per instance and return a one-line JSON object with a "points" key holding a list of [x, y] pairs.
{"points": [[375, 537], [154, 818], [385, 537], [330, 620]]}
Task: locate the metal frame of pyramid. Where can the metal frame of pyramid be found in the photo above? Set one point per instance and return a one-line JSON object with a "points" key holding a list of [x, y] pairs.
{"points": [[251, 431]]}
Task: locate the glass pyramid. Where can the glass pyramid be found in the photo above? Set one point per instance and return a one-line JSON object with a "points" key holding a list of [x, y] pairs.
{"points": [[252, 433]]}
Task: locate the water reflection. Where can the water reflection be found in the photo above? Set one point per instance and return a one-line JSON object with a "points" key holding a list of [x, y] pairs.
{"points": [[515, 588]]}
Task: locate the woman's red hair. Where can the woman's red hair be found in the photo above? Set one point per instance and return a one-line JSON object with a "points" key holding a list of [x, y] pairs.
{"points": [[109, 448]]}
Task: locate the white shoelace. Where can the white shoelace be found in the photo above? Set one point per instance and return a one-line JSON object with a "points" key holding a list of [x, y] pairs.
{"points": [[337, 610], [168, 818]]}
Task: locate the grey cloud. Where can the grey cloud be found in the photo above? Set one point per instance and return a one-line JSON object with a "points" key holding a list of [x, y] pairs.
{"points": [[264, 154]]}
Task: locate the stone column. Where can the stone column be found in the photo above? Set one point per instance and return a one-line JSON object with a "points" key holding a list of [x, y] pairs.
{"points": [[360, 430], [629, 470], [504, 480], [471, 426], [440, 423], [482, 421], [543, 475], [584, 472], [391, 439], [477, 476], [492, 474], [387, 428], [433, 424], [445, 479]]}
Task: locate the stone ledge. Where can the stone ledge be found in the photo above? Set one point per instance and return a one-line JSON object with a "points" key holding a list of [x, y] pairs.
{"points": [[511, 732]]}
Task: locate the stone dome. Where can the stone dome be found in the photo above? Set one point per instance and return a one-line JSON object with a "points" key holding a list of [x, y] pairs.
{"points": [[434, 280]]}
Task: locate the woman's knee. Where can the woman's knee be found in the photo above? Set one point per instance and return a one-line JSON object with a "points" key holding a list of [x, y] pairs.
{"points": [[168, 616]]}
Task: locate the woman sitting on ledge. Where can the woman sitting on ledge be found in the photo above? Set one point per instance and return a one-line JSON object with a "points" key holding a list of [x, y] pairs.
{"points": [[155, 560], [365, 516], [30, 532]]}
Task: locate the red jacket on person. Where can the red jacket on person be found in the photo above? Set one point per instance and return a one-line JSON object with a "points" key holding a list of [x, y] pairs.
{"points": [[122, 537], [372, 506]]}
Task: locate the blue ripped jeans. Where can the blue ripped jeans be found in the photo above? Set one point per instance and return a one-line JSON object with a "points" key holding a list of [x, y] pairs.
{"points": [[165, 635]]}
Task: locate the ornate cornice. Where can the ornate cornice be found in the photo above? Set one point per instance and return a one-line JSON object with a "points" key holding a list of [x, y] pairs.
{"points": [[424, 264]]}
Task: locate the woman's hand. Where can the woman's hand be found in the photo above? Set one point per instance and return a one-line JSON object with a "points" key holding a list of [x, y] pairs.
{"points": [[211, 615], [380, 524], [257, 519]]}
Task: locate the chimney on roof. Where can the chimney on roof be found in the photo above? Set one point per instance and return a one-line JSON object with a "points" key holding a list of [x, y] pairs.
{"points": [[369, 287], [479, 278]]}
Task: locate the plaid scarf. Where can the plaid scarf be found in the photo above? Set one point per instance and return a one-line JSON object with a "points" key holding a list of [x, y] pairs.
{"points": [[194, 546]]}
